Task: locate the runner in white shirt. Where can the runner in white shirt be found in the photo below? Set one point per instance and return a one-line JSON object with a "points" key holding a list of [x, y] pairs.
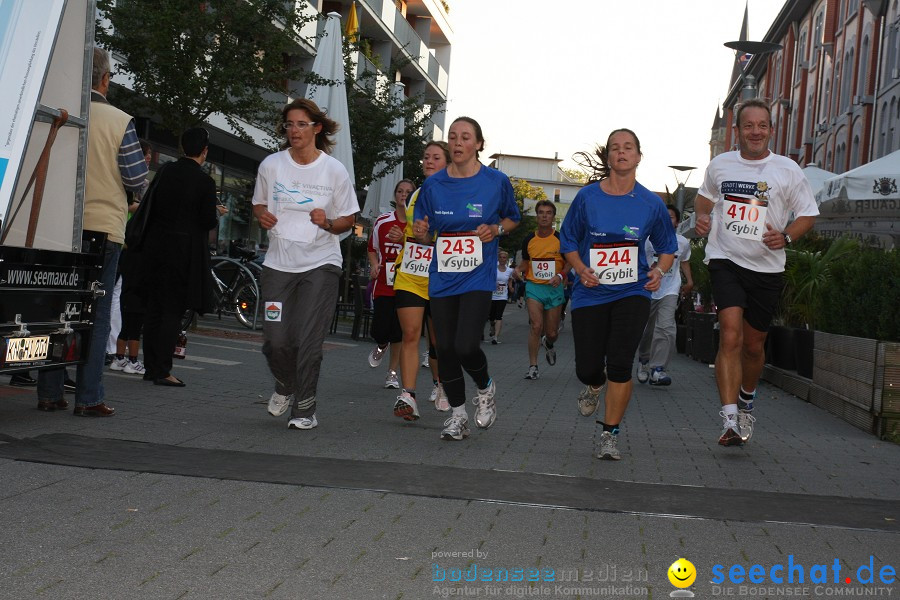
{"points": [[305, 198], [655, 349], [500, 297], [744, 205]]}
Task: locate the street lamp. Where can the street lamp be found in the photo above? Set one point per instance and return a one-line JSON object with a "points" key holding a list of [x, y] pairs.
{"points": [[749, 90], [679, 191]]}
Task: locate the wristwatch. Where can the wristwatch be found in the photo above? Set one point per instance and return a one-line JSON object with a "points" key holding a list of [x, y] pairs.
{"points": [[500, 230], [787, 238], [330, 224]]}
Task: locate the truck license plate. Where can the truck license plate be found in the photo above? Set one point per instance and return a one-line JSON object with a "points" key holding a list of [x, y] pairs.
{"points": [[27, 349]]}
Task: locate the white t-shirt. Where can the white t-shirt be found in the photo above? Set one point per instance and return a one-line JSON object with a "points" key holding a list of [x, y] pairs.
{"points": [[671, 281], [291, 191], [501, 291], [743, 189]]}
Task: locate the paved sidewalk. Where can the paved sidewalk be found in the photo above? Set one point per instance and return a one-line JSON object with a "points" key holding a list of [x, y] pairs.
{"points": [[151, 532]]}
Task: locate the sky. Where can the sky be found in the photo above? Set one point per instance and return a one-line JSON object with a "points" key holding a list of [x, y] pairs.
{"points": [[544, 77]]}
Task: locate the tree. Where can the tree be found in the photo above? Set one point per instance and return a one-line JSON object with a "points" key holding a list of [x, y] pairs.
{"points": [[523, 190], [373, 111], [189, 60], [576, 175]]}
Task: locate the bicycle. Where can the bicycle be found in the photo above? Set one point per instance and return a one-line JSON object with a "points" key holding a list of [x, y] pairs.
{"points": [[236, 288]]}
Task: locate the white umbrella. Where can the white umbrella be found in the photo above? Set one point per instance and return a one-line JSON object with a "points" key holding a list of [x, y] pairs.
{"points": [[381, 192], [816, 177], [329, 64]]}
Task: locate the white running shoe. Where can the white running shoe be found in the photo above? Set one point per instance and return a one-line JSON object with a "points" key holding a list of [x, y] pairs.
{"points": [[303, 423], [406, 407], [434, 393], [134, 368], [643, 373], [745, 421], [486, 413], [425, 364], [391, 381], [376, 355], [608, 449], [456, 428], [731, 435], [278, 404], [588, 400], [532, 372], [442, 403], [119, 364]]}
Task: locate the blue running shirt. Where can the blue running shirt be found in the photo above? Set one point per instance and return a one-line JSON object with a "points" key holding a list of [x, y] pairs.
{"points": [[597, 220], [460, 205]]}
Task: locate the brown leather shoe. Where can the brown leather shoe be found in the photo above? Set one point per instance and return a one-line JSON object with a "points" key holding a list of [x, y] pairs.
{"points": [[51, 405], [98, 410]]}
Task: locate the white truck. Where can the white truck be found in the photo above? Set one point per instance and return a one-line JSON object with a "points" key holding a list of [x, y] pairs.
{"points": [[49, 267]]}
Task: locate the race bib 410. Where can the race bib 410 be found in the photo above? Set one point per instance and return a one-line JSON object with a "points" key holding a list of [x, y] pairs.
{"points": [[745, 217]]}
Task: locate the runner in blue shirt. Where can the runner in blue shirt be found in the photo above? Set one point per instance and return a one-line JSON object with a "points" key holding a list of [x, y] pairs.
{"points": [[464, 208], [603, 238]]}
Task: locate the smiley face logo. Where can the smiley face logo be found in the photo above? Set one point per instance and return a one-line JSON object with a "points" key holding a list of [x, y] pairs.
{"points": [[682, 573]]}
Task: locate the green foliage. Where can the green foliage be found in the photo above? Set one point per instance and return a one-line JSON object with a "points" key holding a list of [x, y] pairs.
{"points": [[576, 175], [862, 296], [700, 272], [373, 111], [806, 274], [523, 190], [189, 60]]}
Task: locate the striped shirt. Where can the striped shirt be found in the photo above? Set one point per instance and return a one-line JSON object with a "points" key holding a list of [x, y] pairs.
{"points": [[132, 165]]}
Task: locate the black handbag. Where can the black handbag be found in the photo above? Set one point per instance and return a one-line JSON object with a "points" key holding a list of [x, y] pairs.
{"points": [[136, 227]]}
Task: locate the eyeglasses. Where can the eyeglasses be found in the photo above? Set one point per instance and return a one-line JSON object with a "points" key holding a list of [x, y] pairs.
{"points": [[301, 125]]}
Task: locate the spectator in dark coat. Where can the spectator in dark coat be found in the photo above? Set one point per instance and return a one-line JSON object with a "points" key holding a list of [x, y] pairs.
{"points": [[174, 263]]}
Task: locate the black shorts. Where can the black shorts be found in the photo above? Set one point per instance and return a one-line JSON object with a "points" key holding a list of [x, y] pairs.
{"points": [[497, 308], [385, 325], [405, 299], [757, 293]]}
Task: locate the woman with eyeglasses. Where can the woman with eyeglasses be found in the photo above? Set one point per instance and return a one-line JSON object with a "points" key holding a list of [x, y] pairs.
{"points": [[464, 208], [305, 199], [172, 266]]}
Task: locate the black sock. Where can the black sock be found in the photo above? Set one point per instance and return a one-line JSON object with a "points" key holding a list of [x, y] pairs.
{"points": [[746, 397], [411, 393], [133, 358], [120, 356], [613, 429], [548, 344]]}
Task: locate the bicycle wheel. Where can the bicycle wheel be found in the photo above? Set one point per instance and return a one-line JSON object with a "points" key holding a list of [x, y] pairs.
{"points": [[187, 319], [246, 304]]}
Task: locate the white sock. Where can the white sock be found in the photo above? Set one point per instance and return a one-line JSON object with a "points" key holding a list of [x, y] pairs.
{"points": [[460, 411], [731, 411]]}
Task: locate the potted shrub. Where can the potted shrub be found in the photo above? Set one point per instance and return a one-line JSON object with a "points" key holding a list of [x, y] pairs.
{"points": [[807, 274]]}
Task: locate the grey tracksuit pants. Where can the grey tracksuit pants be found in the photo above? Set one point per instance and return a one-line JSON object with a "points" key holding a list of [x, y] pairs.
{"points": [[297, 312]]}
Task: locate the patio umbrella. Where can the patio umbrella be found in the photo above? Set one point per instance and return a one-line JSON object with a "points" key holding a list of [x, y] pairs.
{"points": [[816, 177], [381, 191], [352, 28], [329, 64]]}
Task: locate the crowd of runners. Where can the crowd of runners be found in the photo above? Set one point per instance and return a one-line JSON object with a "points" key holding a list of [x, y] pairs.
{"points": [[438, 266]]}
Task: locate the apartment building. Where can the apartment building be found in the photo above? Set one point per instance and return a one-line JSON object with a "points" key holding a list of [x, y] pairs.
{"points": [[414, 33], [833, 88], [543, 173]]}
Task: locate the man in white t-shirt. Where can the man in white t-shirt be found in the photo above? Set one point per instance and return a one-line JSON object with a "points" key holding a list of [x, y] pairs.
{"points": [[655, 349], [745, 204]]}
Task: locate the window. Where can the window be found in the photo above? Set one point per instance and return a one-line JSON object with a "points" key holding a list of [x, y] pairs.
{"points": [[556, 195], [854, 153], [801, 57], [852, 8], [826, 101], [847, 80], [808, 120], [863, 67]]}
